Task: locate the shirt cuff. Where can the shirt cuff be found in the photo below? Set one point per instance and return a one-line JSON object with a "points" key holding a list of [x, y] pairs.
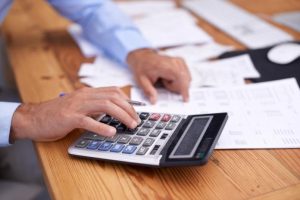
{"points": [[7, 112]]}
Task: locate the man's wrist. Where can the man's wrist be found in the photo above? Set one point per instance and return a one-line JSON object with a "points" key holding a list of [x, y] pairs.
{"points": [[21, 120], [133, 56]]}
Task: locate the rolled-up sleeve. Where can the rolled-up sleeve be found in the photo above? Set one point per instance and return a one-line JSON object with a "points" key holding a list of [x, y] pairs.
{"points": [[7, 111], [104, 25]]}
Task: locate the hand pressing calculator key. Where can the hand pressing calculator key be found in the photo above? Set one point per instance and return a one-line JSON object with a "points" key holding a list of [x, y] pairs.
{"points": [[160, 140]]}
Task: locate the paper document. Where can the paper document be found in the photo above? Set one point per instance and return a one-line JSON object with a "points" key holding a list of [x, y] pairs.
{"points": [[262, 115], [238, 23], [105, 72], [194, 53], [171, 28], [289, 19]]}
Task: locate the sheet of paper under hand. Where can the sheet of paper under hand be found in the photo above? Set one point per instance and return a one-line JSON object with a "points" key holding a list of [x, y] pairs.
{"points": [[262, 115]]}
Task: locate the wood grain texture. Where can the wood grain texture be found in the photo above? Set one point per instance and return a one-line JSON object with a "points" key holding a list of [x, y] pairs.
{"points": [[45, 61]]}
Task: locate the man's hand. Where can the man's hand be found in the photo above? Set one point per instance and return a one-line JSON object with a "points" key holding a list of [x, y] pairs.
{"points": [[148, 67], [56, 118]]}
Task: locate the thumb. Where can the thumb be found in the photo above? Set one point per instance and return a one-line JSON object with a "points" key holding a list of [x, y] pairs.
{"points": [[148, 88]]}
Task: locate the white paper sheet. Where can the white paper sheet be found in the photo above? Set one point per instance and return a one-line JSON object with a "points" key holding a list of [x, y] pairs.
{"points": [[237, 22], [194, 53], [263, 115], [171, 28], [136, 9], [105, 72], [289, 19]]}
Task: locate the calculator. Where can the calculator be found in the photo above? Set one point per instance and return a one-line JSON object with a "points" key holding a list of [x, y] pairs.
{"points": [[160, 140]]}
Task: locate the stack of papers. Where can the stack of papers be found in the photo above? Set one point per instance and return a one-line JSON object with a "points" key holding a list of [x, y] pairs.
{"points": [[262, 115]]}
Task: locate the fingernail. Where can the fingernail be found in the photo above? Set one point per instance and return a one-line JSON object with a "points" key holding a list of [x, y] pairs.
{"points": [[111, 131], [139, 121], [134, 124]]}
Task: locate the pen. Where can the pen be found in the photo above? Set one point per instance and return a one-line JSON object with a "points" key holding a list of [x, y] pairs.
{"points": [[136, 103]]}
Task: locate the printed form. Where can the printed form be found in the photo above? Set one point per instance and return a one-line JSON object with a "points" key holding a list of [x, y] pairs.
{"points": [[262, 115]]}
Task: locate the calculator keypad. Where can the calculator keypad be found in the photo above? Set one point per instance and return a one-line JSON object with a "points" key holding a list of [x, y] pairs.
{"points": [[145, 139]]}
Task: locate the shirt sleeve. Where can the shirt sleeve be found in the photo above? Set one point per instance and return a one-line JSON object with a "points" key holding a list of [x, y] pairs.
{"points": [[6, 114], [104, 25]]}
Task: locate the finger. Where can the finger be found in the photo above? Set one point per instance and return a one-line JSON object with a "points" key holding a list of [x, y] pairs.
{"points": [[111, 90], [148, 88], [127, 107], [94, 126]]}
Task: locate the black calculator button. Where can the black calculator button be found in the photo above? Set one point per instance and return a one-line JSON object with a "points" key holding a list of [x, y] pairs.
{"points": [[117, 148], [154, 150], [166, 118], [112, 139], [148, 142], [106, 119], [170, 126], [105, 146], [136, 140], [124, 139], [143, 131], [175, 118], [94, 136], [144, 115], [121, 128], [149, 124], [161, 125], [114, 122], [93, 145], [131, 131], [82, 143], [140, 124], [154, 116], [155, 133], [164, 136], [142, 151], [129, 149]]}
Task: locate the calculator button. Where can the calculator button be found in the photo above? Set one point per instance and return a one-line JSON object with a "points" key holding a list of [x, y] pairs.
{"points": [[93, 145], [93, 136], [175, 118], [131, 131], [155, 117], [117, 148], [161, 125], [112, 139], [82, 143], [143, 131], [106, 119], [148, 142], [170, 126], [114, 122], [154, 150], [155, 133], [129, 149], [164, 136], [144, 115], [124, 139], [140, 124], [142, 151], [105, 146], [121, 128], [136, 140], [166, 118], [149, 124]]}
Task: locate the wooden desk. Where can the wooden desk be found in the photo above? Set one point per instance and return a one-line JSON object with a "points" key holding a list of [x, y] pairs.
{"points": [[45, 61]]}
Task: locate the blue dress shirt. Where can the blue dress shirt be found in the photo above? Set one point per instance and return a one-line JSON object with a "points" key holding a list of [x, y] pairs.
{"points": [[103, 24]]}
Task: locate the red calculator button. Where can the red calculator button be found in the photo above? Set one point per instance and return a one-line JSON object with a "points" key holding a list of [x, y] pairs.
{"points": [[155, 117], [166, 118]]}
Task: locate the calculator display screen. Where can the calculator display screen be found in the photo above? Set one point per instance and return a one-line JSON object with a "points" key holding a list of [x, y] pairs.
{"points": [[191, 138]]}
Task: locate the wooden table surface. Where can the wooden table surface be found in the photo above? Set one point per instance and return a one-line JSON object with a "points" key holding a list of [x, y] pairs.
{"points": [[45, 61]]}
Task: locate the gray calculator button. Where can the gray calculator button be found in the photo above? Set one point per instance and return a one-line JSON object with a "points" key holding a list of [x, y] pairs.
{"points": [[82, 143], [148, 142], [142, 151], [124, 139], [161, 125], [112, 139], [136, 140], [93, 136], [175, 118], [155, 133], [143, 131], [149, 124], [170, 126]]}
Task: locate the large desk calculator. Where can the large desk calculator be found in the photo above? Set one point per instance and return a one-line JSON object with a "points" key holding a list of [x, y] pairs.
{"points": [[160, 140]]}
